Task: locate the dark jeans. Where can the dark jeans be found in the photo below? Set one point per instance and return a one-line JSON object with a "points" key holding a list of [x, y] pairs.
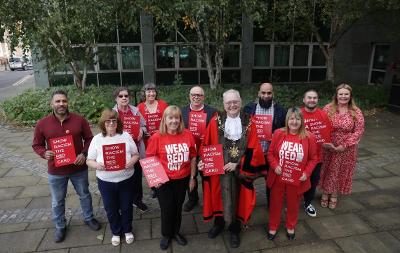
{"points": [[171, 196], [137, 184], [309, 195], [117, 200]]}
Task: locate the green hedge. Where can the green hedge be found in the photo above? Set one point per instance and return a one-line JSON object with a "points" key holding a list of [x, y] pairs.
{"points": [[32, 105]]}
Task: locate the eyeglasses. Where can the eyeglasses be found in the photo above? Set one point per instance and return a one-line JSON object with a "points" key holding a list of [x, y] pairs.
{"points": [[233, 102], [109, 121], [197, 95], [123, 96]]}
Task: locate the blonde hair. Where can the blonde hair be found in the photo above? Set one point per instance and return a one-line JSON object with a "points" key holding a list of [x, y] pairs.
{"points": [[352, 107], [298, 114], [171, 110]]}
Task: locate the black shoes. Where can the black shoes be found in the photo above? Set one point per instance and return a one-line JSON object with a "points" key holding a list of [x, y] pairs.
{"points": [[153, 193], [290, 236], [93, 224], [271, 236], [59, 235], [189, 205], [164, 242], [234, 240], [214, 231], [141, 206], [180, 239]]}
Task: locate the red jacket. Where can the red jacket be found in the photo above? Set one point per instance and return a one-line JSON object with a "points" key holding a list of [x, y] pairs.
{"points": [[308, 163]]}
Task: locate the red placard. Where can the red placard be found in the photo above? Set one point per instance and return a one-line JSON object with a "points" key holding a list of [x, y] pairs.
{"points": [[213, 159], [132, 125], [114, 156], [153, 122], [197, 123], [153, 171], [291, 155], [264, 126], [64, 150]]}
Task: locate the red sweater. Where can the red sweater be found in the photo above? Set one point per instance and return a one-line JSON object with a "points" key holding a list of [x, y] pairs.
{"points": [[50, 127], [318, 123], [174, 151], [308, 151]]}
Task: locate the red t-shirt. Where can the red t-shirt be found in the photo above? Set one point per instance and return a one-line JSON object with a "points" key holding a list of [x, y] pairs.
{"points": [[152, 119], [174, 152], [318, 123]]}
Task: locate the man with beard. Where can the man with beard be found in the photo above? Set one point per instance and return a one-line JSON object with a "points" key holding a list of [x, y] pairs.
{"points": [[317, 122], [196, 117], [67, 131], [269, 116]]}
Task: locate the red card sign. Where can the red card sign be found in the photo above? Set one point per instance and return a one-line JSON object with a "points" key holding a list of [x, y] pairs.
{"points": [[264, 126], [132, 125], [64, 150], [114, 156], [153, 122], [197, 123], [291, 154], [213, 159], [153, 171]]}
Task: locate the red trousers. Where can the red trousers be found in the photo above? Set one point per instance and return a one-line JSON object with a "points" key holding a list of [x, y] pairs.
{"points": [[276, 202]]}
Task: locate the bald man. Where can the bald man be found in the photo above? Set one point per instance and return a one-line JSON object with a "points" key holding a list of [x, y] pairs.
{"points": [[203, 113]]}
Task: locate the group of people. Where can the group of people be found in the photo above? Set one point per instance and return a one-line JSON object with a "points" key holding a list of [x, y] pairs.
{"points": [[294, 150]]}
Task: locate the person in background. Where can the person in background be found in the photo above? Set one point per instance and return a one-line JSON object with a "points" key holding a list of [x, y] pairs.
{"points": [[317, 122], [197, 125], [340, 161], [115, 186], [175, 147], [62, 123], [292, 155], [126, 112]]}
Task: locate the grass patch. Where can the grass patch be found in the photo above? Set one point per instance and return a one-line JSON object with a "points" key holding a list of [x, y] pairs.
{"points": [[33, 104]]}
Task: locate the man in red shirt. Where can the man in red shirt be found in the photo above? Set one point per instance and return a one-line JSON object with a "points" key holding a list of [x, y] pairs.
{"points": [[196, 117], [317, 122], [63, 138]]}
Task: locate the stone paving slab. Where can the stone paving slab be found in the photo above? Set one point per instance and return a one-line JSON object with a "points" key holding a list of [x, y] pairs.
{"points": [[370, 243], [76, 236], [362, 186], [11, 242], [7, 182], [35, 191], [55, 251], [10, 193], [383, 219], [304, 234], [200, 243], [313, 247], [252, 239], [8, 228], [150, 246], [393, 168], [392, 182], [16, 172], [379, 199], [14, 203], [96, 249], [338, 226]]}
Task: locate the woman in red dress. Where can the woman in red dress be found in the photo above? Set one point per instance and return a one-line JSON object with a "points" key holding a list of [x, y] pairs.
{"points": [[340, 159], [292, 156], [175, 147]]}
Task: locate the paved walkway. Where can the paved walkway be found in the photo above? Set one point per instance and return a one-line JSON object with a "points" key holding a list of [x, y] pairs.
{"points": [[366, 221]]}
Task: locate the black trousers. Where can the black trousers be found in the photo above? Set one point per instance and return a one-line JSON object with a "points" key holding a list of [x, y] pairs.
{"points": [[234, 227], [193, 196], [171, 196], [137, 184], [309, 195]]}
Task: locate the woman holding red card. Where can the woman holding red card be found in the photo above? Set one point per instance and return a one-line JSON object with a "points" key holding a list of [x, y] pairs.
{"points": [[175, 147], [292, 157], [113, 154]]}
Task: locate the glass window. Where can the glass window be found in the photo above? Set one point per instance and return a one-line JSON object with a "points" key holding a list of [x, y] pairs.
{"points": [[318, 58], [231, 56], [281, 75], [299, 75], [377, 77], [187, 57], [281, 55], [130, 57], [300, 55], [165, 57], [261, 55], [107, 58], [380, 56]]}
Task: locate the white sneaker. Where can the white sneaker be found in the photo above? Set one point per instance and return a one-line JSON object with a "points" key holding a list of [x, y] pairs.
{"points": [[115, 240], [310, 210], [129, 238]]}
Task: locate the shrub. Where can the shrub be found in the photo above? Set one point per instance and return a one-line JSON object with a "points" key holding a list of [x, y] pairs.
{"points": [[33, 104]]}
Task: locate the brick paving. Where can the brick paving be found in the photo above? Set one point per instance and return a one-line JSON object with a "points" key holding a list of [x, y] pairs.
{"points": [[366, 221]]}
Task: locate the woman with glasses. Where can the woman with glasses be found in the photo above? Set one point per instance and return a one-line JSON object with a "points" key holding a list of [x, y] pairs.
{"points": [[175, 147], [115, 176], [128, 114], [292, 156]]}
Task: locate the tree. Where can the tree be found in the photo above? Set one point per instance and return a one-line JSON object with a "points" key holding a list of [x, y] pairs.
{"points": [[213, 23], [65, 31]]}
